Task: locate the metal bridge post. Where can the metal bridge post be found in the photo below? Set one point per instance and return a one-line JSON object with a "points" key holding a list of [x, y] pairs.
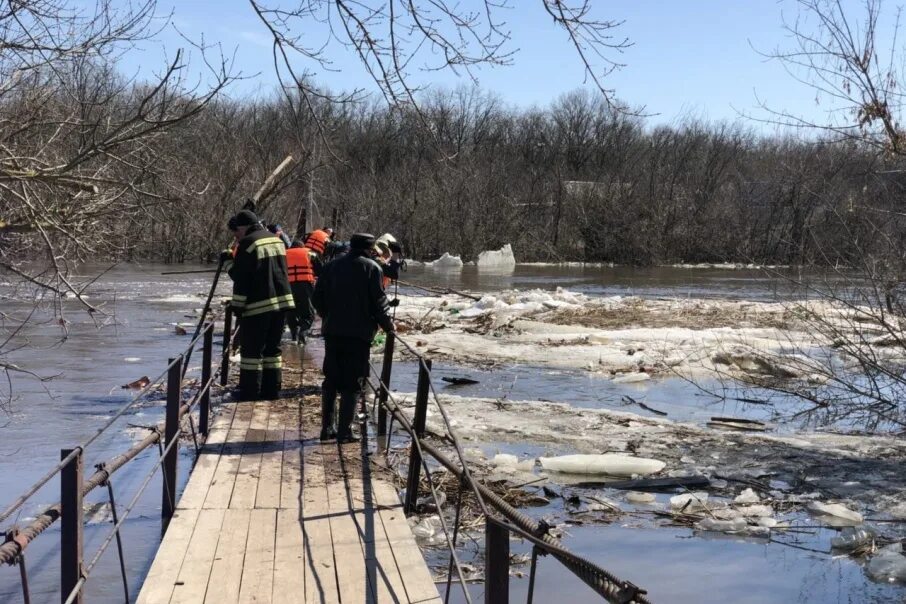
{"points": [[386, 370], [204, 409], [496, 563], [171, 434], [418, 425], [72, 523], [225, 360]]}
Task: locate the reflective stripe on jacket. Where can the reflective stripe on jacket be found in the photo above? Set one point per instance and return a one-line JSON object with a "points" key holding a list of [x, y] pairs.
{"points": [[260, 280]]}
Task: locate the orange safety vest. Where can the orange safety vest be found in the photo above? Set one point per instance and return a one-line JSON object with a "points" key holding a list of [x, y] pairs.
{"points": [[298, 265], [317, 241]]}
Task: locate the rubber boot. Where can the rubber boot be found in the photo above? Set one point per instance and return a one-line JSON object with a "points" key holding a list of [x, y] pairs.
{"points": [[271, 383], [348, 400], [249, 384], [328, 402]]}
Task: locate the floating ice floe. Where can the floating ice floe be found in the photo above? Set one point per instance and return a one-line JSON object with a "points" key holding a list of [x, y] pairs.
{"points": [[837, 511], [609, 464], [889, 564], [446, 261], [689, 502], [497, 259]]}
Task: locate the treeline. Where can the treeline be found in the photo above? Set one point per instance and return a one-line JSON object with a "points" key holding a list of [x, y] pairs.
{"points": [[465, 172]]}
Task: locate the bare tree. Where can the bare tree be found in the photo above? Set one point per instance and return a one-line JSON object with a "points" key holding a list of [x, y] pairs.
{"points": [[79, 143]]}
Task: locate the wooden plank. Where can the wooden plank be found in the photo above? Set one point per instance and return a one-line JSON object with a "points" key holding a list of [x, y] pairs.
{"points": [[269, 481], [346, 534], [291, 475], [221, 488], [196, 568], [158, 585], [258, 570], [320, 566], [409, 559], [226, 569], [289, 558], [246, 486], [203, 472]]}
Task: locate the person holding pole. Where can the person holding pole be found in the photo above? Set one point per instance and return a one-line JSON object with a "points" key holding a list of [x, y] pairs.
{"points": [[351, 302], [261, 297]]}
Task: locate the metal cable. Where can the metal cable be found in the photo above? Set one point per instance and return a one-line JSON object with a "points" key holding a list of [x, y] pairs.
{"points": [[604, 583], [8, 511]]}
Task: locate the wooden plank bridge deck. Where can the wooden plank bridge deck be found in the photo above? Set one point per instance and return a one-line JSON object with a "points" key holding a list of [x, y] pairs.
{"points": [[271, 515]]}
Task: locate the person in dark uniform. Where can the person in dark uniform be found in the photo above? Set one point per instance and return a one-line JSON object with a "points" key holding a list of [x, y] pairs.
{"points": [[261, 297], [351, 302]]}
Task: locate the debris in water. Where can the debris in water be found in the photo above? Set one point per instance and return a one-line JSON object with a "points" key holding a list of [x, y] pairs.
{"points": [[138, 384], [181, 331], [738, 423], [459, 381], [628, 400], [852, 539], [653, 484]]}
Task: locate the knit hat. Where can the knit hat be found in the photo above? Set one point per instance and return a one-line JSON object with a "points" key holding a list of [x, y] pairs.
{"points": [[245, 218]]}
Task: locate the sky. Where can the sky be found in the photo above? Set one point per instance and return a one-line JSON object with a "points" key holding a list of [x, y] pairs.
{"points": [[698, 57]]}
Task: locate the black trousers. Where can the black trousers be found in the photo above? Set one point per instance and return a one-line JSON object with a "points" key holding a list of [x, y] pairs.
{"points": [[303, 316], [345, 367], [261, 364]]}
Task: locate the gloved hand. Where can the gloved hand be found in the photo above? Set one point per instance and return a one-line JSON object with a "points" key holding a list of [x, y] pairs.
{"points": [[226, 256], [237, 311], [394, 303]]}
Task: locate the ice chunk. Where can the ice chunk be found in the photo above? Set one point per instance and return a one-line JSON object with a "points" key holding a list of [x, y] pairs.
{"points": [[689, 502], [756, 510], [505, 459], [526, 465], [889, 564], [767, 522], [639, 497], [631, 378], [726, 526], [499, 259], [611, 464], [747, 496], [837, 510], [446, 261]]}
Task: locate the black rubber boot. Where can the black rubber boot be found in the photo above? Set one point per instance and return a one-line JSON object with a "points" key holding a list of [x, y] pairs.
{"points": [[271, 383], [249, 384], [328, 402], [348, 400]]}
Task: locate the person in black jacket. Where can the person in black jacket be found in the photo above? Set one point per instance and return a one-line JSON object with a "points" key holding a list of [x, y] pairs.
{"points": [[261, 297], [351, 302]]}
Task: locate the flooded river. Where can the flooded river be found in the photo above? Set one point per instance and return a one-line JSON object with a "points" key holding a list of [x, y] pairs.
{"points": [[137, 334]]}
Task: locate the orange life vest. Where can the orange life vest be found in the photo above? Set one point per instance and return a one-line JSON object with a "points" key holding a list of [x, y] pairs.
{"points": [[317, 241], [298, 265]]}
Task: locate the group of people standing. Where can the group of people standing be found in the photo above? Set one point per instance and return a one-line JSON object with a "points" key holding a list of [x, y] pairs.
{"points": [[344, 284]]}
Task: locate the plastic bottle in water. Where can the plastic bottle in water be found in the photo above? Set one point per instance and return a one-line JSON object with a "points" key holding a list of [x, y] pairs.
{"points": [[852, 538]]}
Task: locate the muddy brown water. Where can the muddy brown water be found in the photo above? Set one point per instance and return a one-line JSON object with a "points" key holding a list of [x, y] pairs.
{"points": [[138, 334]]}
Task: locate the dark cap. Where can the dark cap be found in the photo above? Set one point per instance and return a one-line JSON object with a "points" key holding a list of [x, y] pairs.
{"points": [[361, 241], [245, 218]]}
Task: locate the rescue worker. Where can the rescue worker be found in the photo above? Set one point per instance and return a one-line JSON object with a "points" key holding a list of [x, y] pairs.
{"points": [[389, 256], [300, 266], [317, 241], [351, 302], [261, 296]]}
